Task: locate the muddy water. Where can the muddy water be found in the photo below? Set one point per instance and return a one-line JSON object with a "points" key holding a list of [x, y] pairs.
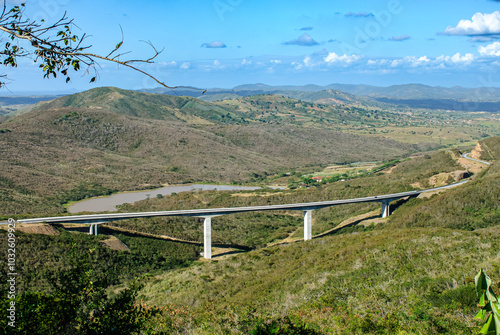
{"points": [[109, 203]]}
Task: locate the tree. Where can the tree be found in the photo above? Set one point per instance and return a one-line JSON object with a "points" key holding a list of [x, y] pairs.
{"points": [[56, 47]]}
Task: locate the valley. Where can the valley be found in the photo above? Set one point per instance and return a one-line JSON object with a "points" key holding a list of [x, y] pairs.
{"points": [[409, 273]]}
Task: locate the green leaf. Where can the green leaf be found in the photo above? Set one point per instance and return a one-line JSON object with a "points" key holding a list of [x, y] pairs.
{"points": [[486, 327], [482, 281], [480, 315], [482, 300], [487, 302]]}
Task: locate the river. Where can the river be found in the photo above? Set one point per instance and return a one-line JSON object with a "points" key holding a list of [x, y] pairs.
{"points": [[109, 203]]}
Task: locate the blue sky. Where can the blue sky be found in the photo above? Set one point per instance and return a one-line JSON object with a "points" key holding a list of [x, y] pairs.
{"points": [[224, 43]]}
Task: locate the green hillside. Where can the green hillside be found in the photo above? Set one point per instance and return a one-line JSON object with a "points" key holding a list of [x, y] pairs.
{"points": [[259, 229], [408, 281], [411, 273], [107, 140], [132, 103], [490, 148], [59, 155]]}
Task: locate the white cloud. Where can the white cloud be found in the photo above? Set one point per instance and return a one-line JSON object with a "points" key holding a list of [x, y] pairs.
{"points": [[411, 61], [308, 61], [297, 66], [333, 58], [492, 49], [425, 62], [214, 45], [399, 38], [483, 38], [304, 40], [185, 66], [420, 61], [481, 24], [465, 59], [378, 62], [275, 61], [172, 63], [457, 58], [246, 62]]}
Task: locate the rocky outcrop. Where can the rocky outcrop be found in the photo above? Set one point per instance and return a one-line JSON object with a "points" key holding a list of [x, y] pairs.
{"points": [[477, 152], [459, 175]]}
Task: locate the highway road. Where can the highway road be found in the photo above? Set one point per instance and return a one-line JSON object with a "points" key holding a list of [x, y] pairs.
{"points": [[473, 159], [208, 212], [93, 220]]}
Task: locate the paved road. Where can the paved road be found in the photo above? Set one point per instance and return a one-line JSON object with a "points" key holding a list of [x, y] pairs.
{"points": [[208, 212], [473, 159]]}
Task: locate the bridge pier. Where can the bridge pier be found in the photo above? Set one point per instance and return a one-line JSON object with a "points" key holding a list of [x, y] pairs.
{"points": [[307, 224], [207, 237], [93, 229], [386, 208]]}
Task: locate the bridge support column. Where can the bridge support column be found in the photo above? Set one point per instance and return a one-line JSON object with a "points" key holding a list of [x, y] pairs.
{"points": [[91, 229], [207, 238], [307, 225], [385, 209], [95, 229]]}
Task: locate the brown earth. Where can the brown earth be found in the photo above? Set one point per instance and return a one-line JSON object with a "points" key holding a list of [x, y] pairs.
{"points": [[115, 244], [40, 228]]}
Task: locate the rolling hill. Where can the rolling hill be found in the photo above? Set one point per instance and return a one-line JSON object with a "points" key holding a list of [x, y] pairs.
{"points": [[107, 140], [409, 96]]}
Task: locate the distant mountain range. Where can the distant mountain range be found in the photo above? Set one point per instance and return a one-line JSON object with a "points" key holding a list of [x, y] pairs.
{"points": [[392, 97], [409, 95], [407, 91], [10, 104]]}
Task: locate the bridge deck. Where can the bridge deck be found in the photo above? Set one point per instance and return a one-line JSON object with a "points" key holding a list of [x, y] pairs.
{"points": [[208, 212]]}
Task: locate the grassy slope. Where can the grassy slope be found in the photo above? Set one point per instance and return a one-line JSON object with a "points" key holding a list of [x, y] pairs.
{"points": [[388, 280], [491, 148], [472, 206], [384, 281], [396, 279]]}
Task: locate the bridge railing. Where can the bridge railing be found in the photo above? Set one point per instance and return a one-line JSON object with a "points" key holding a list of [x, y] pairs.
{"points": [[93, 220]]}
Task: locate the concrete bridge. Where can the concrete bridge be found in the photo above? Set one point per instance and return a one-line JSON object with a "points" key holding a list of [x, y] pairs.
{"points": [[93, 220]]}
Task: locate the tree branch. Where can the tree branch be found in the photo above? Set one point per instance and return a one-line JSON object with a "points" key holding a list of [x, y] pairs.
{"points": [[58, 53]]}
